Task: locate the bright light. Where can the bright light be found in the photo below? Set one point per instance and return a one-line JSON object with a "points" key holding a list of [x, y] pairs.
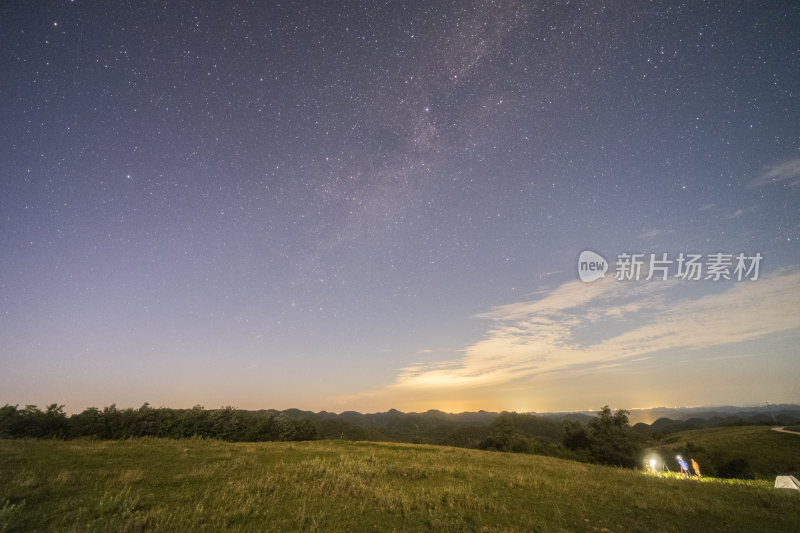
{"points": [[652, 462]]}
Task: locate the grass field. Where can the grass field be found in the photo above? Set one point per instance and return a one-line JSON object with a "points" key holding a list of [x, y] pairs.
{"points": [[196, 485], [767, 453]]}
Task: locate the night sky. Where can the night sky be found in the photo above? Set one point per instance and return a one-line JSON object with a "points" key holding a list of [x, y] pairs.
{"points": [[373, 205]]}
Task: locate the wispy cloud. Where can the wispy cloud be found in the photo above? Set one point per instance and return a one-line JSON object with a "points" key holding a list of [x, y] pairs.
{"points": [[788, 171], [548, 274], [599, 325], [653, 233]]}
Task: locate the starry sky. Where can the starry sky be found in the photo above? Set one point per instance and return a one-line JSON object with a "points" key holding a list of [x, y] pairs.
{"points": [[380, 204]]}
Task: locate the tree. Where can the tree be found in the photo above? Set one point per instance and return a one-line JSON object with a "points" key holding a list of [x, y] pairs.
{"points": [[576, 437], [611, 440], [54, 422], [9, 421], [88, 423]]}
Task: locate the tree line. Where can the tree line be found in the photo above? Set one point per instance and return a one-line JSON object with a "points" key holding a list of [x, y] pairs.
{"points": [[227, 424], [605, 439]]}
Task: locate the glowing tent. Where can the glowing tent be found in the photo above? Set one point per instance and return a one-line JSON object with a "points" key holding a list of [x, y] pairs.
{"points": [[787, 482]]}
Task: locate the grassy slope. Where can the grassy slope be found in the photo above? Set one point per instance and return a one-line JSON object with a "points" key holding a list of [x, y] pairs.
{"points": [[767, 452], [190, 485]]}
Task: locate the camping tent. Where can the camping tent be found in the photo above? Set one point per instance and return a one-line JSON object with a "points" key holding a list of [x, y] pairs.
{"points": [[787, 482]]}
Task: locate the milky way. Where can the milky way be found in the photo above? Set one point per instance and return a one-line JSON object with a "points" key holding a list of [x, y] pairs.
{"points": [[275, 204]]}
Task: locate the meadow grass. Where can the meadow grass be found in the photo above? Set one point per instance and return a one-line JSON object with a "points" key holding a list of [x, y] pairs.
{"points": [[208, 485]]}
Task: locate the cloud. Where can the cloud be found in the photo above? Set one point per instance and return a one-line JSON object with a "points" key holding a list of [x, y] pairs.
{"points": [[787, 171], [737, 213], [580, 326], [653, 233]]}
